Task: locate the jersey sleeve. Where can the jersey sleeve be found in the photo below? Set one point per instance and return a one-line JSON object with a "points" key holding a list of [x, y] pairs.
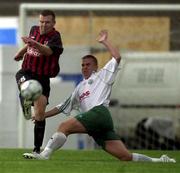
{"points": [[109, 71], [69, 104]]}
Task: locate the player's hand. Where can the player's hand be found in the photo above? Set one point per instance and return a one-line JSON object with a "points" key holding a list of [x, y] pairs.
{"points": [[18, 57], [33, 118], [29, 41], [102, 36]]}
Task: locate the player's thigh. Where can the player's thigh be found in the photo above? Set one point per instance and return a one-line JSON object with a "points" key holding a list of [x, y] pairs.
{"points": [[45, 83], [70, 126]]}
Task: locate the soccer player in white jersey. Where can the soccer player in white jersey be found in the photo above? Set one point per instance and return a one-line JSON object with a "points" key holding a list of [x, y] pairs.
{"points": [[92, 97]]}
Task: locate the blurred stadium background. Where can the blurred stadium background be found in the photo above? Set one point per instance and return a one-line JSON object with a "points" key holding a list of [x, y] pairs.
{"points": [[146, 97]]}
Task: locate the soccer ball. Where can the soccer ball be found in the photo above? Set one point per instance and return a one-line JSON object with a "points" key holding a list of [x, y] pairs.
{"points": [[31, 90]]}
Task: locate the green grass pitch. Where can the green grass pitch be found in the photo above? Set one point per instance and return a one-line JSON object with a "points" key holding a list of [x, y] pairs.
{"points": [[82, 161]]}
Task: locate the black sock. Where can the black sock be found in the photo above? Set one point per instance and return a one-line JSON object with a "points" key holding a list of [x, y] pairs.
{"points": [[39, 130]]}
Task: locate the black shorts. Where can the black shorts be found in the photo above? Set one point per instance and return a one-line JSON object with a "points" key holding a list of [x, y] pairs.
{"points": [[22, 76], [99, 124]]}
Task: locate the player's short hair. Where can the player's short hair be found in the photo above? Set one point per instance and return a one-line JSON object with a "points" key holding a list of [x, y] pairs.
{"points": [[47, 12], [91, 57]]}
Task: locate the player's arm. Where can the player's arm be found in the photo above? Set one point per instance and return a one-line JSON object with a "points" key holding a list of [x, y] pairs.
{"points": [[52, 112], [44, 49], [65, 107], [103, 38], [19, 55]]}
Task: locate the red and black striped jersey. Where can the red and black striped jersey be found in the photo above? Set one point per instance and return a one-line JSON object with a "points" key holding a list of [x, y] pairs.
{"points": [[38, 63]]}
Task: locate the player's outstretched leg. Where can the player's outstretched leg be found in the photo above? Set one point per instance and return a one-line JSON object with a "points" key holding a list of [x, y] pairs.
{"points": [[141, 158], [165, 158]]}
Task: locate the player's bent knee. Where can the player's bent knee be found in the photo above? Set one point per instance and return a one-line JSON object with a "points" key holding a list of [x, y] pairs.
{"points": [[64, 128], [71, 126], [39, 116]]}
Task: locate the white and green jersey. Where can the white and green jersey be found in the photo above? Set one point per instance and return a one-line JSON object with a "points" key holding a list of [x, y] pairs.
{"points": [[93, 91]]}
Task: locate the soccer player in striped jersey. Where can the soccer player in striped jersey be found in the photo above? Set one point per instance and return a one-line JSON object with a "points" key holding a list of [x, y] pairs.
{"points": [[40, 56], [92, 97]]}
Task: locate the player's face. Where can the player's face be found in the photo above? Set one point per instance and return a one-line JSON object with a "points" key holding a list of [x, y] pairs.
{"points": [[88, 67], [46, 24]]}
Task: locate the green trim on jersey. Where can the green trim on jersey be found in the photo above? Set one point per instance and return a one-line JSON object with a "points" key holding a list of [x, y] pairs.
{"points": [[65, 104], [99, 124]]}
